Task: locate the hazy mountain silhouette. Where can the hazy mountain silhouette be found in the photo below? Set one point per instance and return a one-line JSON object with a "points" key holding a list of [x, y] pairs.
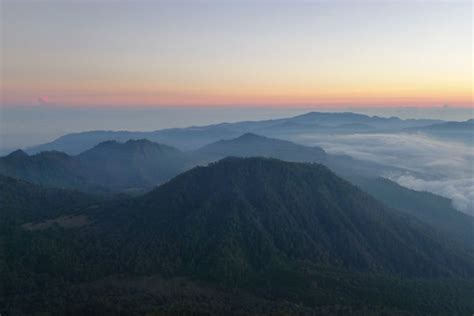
{"points": [[457, 131], [135, 163], [108, 166], [49, 168], [467, 126], [141, 164], [252, 145], [192, 138]]}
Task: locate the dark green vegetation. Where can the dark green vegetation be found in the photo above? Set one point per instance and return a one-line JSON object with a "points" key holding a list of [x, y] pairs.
{"points": [[431, 209], [108, 167], [22, 202], [248, 236]]}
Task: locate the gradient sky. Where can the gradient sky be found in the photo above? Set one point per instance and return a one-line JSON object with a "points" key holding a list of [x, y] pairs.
{"points": [[312, 53]]}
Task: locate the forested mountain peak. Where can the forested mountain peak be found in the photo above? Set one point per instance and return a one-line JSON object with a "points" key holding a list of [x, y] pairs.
{"points": [[268, 212], [17, 154], [130, 146], [279, 230], [250, 144]]}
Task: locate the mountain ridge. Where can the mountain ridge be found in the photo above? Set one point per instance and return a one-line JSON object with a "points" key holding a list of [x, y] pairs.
{"points": [[108, 166], [262, 196], [193, 137]]}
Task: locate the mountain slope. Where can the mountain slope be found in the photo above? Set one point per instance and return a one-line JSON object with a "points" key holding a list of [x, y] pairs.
{"points": [[135, 163], [109, 166], [141, 164], [241, 216], [431, 209], [182, 138], [51, 168], [253, 145], [22, 202], [24, 254], [278, 231]]}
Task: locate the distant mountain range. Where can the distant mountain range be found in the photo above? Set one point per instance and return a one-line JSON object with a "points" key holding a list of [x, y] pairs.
{"points": [[133, 164], [192, 138], [141, 164], [109, 166], [457, 131], [138, 165], [239, 236], [250, 144], [467, 126]]}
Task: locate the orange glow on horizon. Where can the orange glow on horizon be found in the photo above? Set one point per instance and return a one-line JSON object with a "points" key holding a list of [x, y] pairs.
{"points": [[292, 55], [122, 96]]}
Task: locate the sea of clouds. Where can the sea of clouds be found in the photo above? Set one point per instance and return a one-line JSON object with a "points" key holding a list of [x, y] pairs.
{"points": [[442, 167]]}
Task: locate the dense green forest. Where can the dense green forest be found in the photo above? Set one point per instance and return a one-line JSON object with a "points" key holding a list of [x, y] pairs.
{"points": [[433, 210], [241, 236]]}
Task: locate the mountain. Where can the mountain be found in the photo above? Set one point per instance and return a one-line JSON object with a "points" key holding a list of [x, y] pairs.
{"points": [[293, 212], [467, 126], [182, 138], [194, 137], [457, 131], [347, 118], [431, 209], [261, 229], [22, 202], [50, 168], [133, 164], [141, 164], [253, 145], [109, 166]]}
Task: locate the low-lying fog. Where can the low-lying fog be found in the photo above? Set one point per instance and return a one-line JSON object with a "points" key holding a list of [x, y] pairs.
{"points": [[447, 167]]}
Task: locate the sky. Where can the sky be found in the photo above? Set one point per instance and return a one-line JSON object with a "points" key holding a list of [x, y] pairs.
{"points": [[245, 53]]}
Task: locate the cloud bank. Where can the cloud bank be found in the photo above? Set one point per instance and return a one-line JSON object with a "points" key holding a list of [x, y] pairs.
{"points": [[438, 166]]}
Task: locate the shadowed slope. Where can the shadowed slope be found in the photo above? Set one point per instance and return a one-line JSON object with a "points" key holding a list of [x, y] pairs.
{"points": [[240, 216], [262, 228]]}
